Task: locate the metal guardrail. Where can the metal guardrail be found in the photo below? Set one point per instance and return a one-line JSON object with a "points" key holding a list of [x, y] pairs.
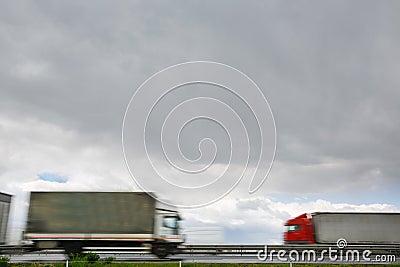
{"points": [[194, 253], [254, 249], [118, 250], [14, 248], [208, 249]]}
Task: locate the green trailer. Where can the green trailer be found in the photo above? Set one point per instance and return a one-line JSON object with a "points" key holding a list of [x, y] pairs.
{"points": [[73, 220]]}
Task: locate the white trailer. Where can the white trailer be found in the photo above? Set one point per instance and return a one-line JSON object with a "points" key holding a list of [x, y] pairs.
{"points": [[357, 228]]}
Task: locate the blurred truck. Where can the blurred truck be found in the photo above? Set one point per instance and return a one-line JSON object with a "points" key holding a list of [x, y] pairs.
{"points": [[355, 228], [73, 220], [5, 202]]}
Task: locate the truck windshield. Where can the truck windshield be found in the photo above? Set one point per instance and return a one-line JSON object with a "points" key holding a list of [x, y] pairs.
{"points": [[170, 222], [292, 228]]}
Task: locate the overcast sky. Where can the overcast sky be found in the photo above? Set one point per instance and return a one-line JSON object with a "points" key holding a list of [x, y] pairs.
{"points": [[329, 70]]}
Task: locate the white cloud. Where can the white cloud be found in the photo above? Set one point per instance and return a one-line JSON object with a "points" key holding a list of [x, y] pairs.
{"points": [[30, 147], [260, 219]]}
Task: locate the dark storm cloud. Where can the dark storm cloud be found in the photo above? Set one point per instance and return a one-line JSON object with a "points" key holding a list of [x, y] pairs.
{"points": [[329, 69]]}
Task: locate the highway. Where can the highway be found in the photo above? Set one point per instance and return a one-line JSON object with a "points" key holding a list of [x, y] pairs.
{"points": [[59, 257], [224, 254]]}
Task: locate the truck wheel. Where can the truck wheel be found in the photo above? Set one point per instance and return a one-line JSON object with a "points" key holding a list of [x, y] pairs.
{"points": [[160, 250]]}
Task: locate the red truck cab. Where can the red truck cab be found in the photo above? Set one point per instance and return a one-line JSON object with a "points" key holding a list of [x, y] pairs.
{"points": [[299, 230]]}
